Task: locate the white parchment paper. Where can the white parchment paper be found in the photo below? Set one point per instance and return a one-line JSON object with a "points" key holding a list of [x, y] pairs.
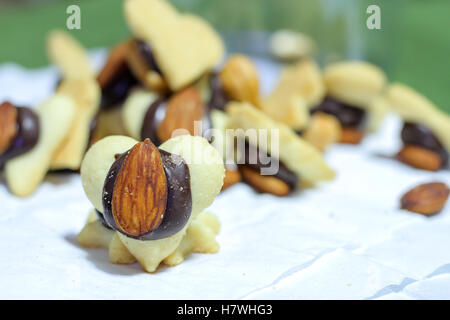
{"points": [[346, 239]]}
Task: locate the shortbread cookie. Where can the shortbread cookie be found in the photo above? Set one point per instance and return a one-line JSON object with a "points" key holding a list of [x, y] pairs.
{"points": [[186, 174], [164, 29], [26, 171], [353, 90], [68, 55], [425, 132], [86, 94], [301, 87], [296, 155]]}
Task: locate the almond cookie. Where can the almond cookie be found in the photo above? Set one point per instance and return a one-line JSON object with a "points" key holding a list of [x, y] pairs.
{"points": [[352, 89], [164, 29], [273, 144], [39, 133], [79, 83], [300, 87], [152, 198], [425, 132]]}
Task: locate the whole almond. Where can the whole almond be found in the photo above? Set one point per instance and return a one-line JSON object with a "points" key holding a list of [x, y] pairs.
{"points": [[140, 191], [266, 184], [351, 135], [231, 177], [183, 109], [8, 125], [426, 199], [420, 158], [115, 62], [240, 79]]}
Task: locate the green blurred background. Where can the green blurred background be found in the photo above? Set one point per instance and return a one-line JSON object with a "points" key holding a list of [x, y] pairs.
{"points": [[413, 45]]}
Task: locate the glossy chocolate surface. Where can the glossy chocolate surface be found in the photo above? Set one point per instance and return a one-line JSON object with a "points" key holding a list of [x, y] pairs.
{"points": [[348, 116], [179, 197], [219, 97], [284, 174], [102, 219], [153, 117], [146, 52], [27, 134], [117, 89], [420, 135]]}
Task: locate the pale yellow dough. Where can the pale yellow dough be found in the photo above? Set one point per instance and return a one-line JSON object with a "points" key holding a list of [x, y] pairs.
{"points": [[301, 87], [166, 30], [86, 94], [206, 171], [25, 172], [200, 237], [134, 110], [68, 55], [414, 107], [298, 155]]}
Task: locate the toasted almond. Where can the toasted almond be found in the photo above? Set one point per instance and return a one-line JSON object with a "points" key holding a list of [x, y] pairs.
{"points": [[240, 79], [140, 191], [323, 130], [231, 177], [426, 199], [351, 135], [115, 62], [8, 125], [420, 158], [266, 184], [183, 109]]}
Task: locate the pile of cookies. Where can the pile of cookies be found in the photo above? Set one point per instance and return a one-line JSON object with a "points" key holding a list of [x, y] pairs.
{"points": [[150, 133]]}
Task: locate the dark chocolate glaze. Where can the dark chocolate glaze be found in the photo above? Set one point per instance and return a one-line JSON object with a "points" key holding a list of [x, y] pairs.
{"points": [[101, 218], [348, 116], [146, 52], [27, 136], [179, 197], [219, 97], [284, 174], [117, 89], [155, 115], [420, 135]]}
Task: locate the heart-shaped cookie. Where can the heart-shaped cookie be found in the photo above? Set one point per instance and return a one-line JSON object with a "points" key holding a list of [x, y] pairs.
{"points": [[185, 46]]}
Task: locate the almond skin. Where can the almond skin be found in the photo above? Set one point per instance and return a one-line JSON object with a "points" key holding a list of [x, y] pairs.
{"points": [[140, 191], [426, 199], [351, 135], [240, 79], [420, 158], [116, 60], [183, 109], [231, 177], [266, 184], [8, 125]]}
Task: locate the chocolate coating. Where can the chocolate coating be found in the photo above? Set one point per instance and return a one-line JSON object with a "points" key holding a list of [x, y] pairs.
{"points": [[348, 116], [155, 115], [283, 173], [117, 89], [146, 52], [420, 135], [219, 97], [101, 218], [27, 136], [179, 197]]}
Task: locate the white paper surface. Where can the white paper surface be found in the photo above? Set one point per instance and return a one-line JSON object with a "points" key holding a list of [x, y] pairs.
{"points": [[346, 239]]}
